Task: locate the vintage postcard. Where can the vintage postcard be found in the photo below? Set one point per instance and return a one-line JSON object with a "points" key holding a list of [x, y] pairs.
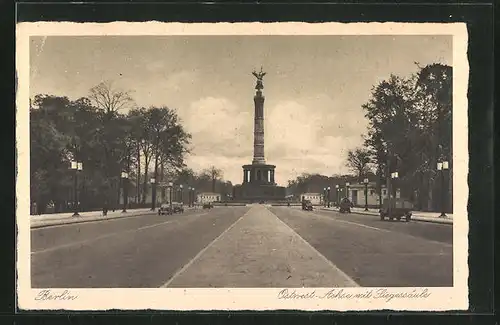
{"points": [[242, 166]]}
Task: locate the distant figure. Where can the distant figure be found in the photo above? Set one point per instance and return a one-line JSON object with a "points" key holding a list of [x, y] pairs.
{"points": [[105, 208]]}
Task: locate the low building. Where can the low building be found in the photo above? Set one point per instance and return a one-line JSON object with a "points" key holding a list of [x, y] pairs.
{"points": [[315, 198], [207, 197], [357, 194]]}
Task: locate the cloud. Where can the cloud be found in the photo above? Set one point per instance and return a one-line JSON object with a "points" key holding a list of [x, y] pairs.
{"points": [[221, 134], [300, 136], [305, 136], [180, 80], [154, 66]]}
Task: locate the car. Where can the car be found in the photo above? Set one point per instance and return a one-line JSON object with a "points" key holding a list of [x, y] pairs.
{"points": [[177, 207], [167, 208], [345, 206], [396, 208], [164, 209], [307, 205], [207, 205]]}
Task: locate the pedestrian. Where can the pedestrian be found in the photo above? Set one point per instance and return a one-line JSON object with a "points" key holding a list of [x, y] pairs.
{"points": [[105, 208]]}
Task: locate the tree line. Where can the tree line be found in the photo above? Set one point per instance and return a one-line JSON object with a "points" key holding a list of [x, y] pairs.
{"points": [[409, 132], [144, 142], [316, 183]]}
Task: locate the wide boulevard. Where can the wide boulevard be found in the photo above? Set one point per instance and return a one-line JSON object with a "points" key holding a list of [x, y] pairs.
{"points": [[253, 246]]}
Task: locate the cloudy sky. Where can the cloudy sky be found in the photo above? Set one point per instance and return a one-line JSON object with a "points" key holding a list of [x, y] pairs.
{"points": [[314, 88]]}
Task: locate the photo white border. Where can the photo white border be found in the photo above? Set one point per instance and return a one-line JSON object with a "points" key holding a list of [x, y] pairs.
{"points": [[440, 299]]}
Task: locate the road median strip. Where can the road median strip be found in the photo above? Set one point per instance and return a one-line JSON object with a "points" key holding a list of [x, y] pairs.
{"points": [[259, 250]]}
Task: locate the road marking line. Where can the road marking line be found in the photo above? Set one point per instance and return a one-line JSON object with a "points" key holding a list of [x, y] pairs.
{"points": [[339, 271], [107, 236], [361, 225], [197, 256], [319, 215]]}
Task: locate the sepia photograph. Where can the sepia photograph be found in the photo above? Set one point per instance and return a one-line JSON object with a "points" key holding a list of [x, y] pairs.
{"points": [[232, 165]]}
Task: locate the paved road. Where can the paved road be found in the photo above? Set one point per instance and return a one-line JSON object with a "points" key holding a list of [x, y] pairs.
{"points": [[242, 247], [123, 253], [378, 253]]}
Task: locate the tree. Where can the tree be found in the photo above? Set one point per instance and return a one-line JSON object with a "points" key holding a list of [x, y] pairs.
{"points": [[213, 174], [48, 157], [104, 140], [410, 127], [358, 160], [111, 100], [108, 101]]}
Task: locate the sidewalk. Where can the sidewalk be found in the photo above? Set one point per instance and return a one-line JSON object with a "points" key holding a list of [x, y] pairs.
{"points": [[45, 220], [259, 250], [416, 215]]}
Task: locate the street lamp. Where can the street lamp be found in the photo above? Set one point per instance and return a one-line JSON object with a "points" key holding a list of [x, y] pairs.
{"points": [[180, 190], [347, 190], [125, 190], [366, 193], [328, 195], [324, 197], [394, 176], [192, 196], [153, 194], [442, 167], [76, 166], [337, 193], [170, 189]]}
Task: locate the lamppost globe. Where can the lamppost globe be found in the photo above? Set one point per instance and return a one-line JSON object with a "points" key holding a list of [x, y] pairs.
{"points": [[445, 165], [152, 180], [439, 166], [365, 181]]}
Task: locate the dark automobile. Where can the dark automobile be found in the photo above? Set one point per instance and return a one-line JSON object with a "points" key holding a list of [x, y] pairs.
{"points": [[207, 205], [345, 206], [178, 207], [307, 205], [164, 209], [167, 209], [396, 208]]}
